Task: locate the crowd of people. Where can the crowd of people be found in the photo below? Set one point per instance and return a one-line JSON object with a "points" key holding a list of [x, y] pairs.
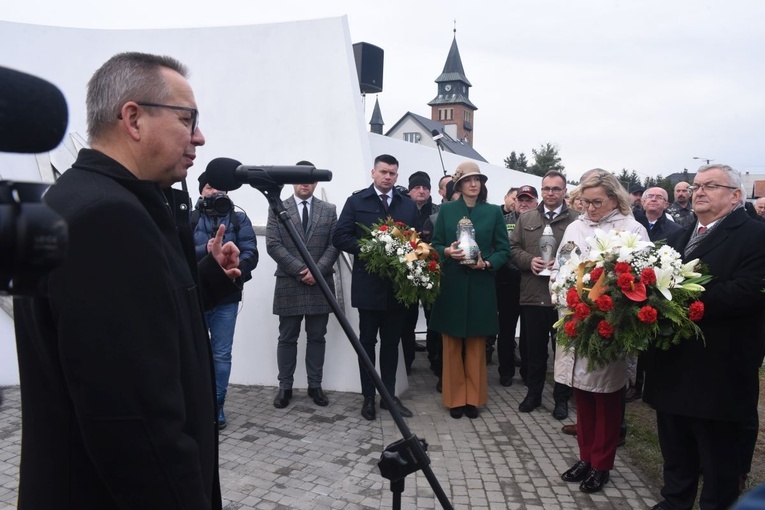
{"points": [[124, 377]]}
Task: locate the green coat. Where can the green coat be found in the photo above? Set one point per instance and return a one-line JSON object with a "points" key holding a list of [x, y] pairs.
{"points": [[467, 303]]}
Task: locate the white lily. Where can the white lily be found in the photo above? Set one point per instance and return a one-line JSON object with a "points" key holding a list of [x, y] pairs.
{"points": [[633, 242], [688, 269], [692, 287], [602, 243], [663, 282]]}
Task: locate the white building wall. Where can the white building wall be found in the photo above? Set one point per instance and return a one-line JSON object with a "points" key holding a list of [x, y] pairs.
{"points": [[268, 94]]}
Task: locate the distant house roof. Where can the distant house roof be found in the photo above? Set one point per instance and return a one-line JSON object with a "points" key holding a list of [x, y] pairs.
{"points": [[447, 142]]}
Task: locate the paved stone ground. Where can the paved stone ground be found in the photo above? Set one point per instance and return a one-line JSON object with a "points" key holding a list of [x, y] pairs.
{"points": [[309, 457]]}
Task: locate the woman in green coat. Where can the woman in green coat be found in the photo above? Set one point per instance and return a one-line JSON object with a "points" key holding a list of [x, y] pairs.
{"points": [[465, 312]]}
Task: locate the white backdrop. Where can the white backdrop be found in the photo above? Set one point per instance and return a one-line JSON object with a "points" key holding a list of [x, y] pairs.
{"points": [[268, 94]]}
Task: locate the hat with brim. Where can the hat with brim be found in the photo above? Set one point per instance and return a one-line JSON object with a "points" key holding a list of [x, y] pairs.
{"points": [[466, 169]]}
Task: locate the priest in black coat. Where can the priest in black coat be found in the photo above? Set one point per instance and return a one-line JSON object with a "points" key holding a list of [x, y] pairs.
{"points": [[117, 386]]}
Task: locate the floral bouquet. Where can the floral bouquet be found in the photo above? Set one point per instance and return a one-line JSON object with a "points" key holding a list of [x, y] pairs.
{"points": [[395, 252], [625, 294]]}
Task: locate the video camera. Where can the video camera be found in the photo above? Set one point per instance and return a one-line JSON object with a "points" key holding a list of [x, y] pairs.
{"points": [[217, 204], [33, 238]]}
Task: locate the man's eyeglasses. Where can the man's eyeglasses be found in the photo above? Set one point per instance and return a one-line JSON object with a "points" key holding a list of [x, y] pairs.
{"points": [[709, 187], [194, 121], [597, 204], [660, 198], [548, 189]]}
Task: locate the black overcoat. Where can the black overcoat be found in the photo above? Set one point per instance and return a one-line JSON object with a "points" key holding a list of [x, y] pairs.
{"points": [[718, 380], [117, 385], [369, 291]]}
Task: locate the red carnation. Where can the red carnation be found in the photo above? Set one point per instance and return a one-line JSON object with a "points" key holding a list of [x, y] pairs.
{"points": [[648, 276], [605, 329], [648, 314], [582, 311], [399, 224], [413, 244], [572, 298], [625, 281], [605, 303], [570, 328], [383, 228], [432, 266], [595, 274], [622, 267], [696, 311]]}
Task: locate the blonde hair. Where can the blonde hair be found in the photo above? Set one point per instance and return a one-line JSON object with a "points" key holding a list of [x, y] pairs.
{"points": [[610, 185]]}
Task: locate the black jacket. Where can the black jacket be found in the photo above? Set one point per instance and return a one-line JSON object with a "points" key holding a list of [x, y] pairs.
{"points": [[718, 379], [117, 385], [369, 291], [662, 228]]}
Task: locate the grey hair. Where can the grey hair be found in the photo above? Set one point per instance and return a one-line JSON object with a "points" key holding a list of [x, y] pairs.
{"points": [[734, 176], [130, 76]]}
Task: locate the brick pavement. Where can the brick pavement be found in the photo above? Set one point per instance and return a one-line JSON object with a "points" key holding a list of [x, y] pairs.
{"points": [[309, 457]]}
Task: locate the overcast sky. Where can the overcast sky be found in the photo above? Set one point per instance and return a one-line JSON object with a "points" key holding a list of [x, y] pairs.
{"points": [[644, 85]]}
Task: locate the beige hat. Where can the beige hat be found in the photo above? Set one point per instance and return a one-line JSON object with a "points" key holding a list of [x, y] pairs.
{"points": [[466, 169]]}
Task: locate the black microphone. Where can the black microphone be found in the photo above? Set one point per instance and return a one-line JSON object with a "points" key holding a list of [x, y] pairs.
{"points": [[228, 174], [33, 113]]}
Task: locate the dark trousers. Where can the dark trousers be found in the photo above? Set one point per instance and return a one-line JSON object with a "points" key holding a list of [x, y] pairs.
{"points": [[389, 323], [599, 417], [538, 322], [509, 310], [286, 350], [690, 445], [408, 336]]}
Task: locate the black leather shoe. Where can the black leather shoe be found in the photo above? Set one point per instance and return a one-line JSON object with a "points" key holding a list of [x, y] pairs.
{"points": [[368, 408], [403, 411], [505, 380], [318, 396], [529, 404], [471, 412], [661, 505], [456, 412], [577, 472], [561, 411], [282, 399], [594, 481]]}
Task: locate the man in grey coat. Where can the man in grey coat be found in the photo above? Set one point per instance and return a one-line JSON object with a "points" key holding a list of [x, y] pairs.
{"points": [[296, 295]]}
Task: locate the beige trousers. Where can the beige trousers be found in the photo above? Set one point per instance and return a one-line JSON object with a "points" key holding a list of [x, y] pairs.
{"points": [[464, 379]]}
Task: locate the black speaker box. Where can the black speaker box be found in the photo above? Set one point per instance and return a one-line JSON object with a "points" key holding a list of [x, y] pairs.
{"points": [[369, 66]]}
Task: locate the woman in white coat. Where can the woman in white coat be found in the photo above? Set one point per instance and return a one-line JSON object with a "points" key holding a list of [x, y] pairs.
{"points": [[598, 393]]}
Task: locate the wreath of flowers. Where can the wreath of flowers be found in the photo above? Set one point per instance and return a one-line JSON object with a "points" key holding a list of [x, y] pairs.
{"points": [[624, 294], [395, 252]]}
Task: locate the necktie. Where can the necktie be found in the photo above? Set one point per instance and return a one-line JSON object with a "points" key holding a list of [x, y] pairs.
{"points": [[551, 215], [384, 200], [305, 216], [702, 229], [650, 225]]}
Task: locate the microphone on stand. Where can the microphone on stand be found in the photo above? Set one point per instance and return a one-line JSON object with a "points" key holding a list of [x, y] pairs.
{"points": [[228, 174], [437, 136]]}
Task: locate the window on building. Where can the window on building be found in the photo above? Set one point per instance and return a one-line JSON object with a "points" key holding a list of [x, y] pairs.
{"points": [[468, 116], [412, 137], [446, 114]]}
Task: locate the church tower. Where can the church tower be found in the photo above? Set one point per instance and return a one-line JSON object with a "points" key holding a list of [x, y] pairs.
{"points": [[452, 104]]}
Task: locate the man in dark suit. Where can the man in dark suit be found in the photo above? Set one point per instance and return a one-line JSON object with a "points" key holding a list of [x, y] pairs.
{"points": [[653, 216], [705, 390], [117, 383], [373, 296], [296, 295]]}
